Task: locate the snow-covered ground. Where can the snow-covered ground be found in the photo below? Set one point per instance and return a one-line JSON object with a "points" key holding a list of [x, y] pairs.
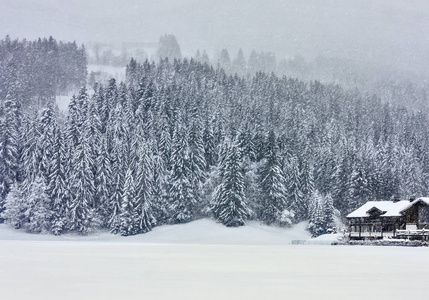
{"points": [[204, 231], [105, 73], [204, 260]]}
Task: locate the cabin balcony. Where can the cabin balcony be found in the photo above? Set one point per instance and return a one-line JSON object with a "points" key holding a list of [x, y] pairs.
{"points": [[369, 235]]}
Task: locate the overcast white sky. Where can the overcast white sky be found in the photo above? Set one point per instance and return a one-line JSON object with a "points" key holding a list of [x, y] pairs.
{"points": [[388, 31]]}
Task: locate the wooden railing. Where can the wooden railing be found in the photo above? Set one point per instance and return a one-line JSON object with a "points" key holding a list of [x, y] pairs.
{"points": [[417, 232], [374, 234]]}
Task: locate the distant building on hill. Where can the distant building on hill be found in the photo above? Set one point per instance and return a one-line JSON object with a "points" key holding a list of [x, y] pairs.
{"points": [[395, 219]]}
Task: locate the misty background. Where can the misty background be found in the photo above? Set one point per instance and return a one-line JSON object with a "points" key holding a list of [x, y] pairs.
{"points": [[392, 34]]}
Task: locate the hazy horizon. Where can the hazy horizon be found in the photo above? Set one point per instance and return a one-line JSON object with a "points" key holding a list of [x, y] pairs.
{"points": [[384, 32]]}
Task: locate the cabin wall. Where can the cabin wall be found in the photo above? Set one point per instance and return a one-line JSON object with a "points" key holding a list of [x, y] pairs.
{"points": [[423, 215], [418, 215], [374, 227]]}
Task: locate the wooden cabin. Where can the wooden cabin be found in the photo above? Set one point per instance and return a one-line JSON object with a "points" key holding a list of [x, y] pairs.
{"points": [[395, 219]]}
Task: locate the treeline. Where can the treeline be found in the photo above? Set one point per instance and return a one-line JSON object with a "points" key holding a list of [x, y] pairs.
{"points": [[181, 140], [36, 71], [391, 85]]}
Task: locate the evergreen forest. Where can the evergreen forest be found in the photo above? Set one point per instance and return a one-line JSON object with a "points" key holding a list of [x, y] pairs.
{"points": [[181, 139]]}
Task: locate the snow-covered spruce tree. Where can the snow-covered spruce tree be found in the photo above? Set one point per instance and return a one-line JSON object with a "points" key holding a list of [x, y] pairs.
{"points": [[159, 180], [181, 191], [31, 152], [316, 223], [342, 181], [296, 197], [209, 144], [10, 143], [118, 133], [48, 126], [197, 163], [239, 63], [145, 189], [307, 177], [77, 113], [81, 215], [245, 144], [115, 202], [58, 188], [168, 47], [52, 166], [14, 207], [359, 186], [411, 172], [225, 60], [93, 130], [329, 213], [321, 214], [103, 181], [228, 203], [127, 216], [272, 184], [388, 183], [37, 213], [164, 140]]}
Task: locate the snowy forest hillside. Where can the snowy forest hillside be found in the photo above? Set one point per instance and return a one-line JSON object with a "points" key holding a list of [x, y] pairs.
{"points": [[181, 140], [38, 70]]}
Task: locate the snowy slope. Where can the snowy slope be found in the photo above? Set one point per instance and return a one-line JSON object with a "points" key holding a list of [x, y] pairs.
{"points": [[205, 231]]}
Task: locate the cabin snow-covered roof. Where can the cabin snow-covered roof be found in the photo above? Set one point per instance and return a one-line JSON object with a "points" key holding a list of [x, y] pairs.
{"points": [[421, 199], [388, 208]]}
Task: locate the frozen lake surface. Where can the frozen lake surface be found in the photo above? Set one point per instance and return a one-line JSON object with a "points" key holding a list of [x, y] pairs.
{"points": [[110, 267]]}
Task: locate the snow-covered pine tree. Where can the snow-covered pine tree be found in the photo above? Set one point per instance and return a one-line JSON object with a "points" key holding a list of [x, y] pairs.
{"points": [[245, 144], [316, 223], [10, 143], [272, 184], [108, 104], [159, 170], [342, 180], [181, 191], [81, 216], [77, 114], [359, 186], [103, 181], [197, 162], [118, 134], [31, 152], [239, 63], [228, 203], [14, 207], [296, 197], [38, 213], [48, 127], [321, 214], [115, 202], [93, 130], [168, 47], [127, 216], [164, 141], [58, 188], [145, 190], [209, 144], [329, 214]]}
